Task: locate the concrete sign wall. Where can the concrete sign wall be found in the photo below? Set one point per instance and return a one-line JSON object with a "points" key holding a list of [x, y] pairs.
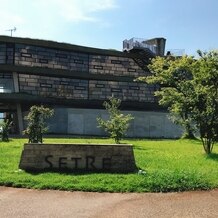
{"points": [[78, 157]]}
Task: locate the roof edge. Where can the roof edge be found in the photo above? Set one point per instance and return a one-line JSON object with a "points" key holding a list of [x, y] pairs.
{"points": [[60, 45]]}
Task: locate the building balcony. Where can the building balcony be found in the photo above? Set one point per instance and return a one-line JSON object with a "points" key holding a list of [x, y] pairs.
{"points": [[137, 43]]}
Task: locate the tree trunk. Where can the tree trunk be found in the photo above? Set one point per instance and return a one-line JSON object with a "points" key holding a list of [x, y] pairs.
{"points": [[188, 134], [207, 144]]}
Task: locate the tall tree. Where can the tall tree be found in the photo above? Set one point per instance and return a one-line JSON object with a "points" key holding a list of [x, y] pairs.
{"points": [[189, 88], [205, 107], [174, 76]]}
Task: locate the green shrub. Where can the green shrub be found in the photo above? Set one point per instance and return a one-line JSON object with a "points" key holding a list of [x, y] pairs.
{"points": [[118, 123], [5, 127], [36, 123]]}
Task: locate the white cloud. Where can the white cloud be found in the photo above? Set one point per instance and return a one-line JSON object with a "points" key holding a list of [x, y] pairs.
{"points": [[80, 10], [47, 18]]}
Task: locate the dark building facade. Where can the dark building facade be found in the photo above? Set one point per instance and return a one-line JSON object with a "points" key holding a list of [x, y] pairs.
{"points": [[76, 80]]}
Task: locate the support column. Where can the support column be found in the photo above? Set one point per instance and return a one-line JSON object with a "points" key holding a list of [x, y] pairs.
{"points": [[20, 118], [16, 83], [18, 105]]}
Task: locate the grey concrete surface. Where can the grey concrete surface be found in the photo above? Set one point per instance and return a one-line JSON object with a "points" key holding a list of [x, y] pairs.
{"points": [[83, 122], [25, 203]]}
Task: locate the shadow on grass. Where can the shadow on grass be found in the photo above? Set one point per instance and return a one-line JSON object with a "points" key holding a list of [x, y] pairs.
{"points": [[195, 140], [70, 136], [213, 156], [139, 148], [9, 140], [149, 139], [79, 172]]}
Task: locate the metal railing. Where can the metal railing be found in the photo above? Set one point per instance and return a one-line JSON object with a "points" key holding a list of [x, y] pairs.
{"points": [[137, 43], [176, 52]]}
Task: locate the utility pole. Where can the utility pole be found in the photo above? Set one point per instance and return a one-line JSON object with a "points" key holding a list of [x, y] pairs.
{"points": [[12, 30]]}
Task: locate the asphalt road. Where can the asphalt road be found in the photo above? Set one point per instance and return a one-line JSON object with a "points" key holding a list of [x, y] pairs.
{"points": [[22, 203]]}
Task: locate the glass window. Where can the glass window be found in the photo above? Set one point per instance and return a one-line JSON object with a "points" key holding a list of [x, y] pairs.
{"points": [[6, 83], [2, 53], [1, 89]]}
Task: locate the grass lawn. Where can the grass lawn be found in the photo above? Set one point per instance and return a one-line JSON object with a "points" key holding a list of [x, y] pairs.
{"points": [[169, 165]]}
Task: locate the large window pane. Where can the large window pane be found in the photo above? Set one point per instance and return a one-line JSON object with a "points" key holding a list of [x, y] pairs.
{"points": [[6, 83]]}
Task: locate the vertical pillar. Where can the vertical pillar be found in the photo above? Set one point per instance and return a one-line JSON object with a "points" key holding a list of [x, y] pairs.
{"points": [[16, 83], [18, 105], [20, 118]]}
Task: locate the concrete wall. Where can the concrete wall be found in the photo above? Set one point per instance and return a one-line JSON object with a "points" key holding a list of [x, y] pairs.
{"points": [[83, 122]]}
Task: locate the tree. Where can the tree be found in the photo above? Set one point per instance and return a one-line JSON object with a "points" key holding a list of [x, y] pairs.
{"points": [[189, 88], [205, 107], [118, 123], [5, 127], [36, 123], [174, 77]]}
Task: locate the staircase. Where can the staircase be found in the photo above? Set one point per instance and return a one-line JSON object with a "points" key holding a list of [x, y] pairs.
{"points": [[142, 50], [142, 57]]}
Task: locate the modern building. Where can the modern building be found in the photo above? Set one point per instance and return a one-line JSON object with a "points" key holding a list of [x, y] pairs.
{"points": [[76, 80]]}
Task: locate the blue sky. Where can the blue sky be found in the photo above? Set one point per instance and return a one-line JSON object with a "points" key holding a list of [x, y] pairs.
{"points": [[186, 24]]}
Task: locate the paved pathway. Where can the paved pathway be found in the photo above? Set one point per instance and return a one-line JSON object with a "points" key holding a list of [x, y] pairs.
{"points": [[22, 203]]}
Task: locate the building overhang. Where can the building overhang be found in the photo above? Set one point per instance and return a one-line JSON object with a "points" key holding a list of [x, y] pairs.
{"points": [[27, 99], [63, 73]]}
